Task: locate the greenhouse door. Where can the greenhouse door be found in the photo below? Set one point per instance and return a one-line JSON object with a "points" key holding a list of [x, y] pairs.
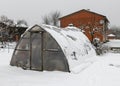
{"points": [[36, 51]]}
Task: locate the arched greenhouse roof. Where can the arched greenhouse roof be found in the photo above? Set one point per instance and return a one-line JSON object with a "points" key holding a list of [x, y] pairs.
{"points": [[74, 44]]}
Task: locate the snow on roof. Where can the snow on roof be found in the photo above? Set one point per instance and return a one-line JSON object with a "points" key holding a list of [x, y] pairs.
{"points": [[111, 35], [22, 25], [74, 44]]}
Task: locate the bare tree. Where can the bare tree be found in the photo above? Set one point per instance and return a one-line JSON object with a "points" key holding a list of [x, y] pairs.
{"points": [[3, 18], [8, 28], [6, 20], [52, 18], [10, 22], [22, 22], [55, 17], [46, 20]]}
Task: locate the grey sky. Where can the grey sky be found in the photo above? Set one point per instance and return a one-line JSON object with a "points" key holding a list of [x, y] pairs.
{"points": [[33, 10]]}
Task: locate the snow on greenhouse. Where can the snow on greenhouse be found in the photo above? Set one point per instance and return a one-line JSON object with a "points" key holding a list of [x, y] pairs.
{"points": [[44, 47]]}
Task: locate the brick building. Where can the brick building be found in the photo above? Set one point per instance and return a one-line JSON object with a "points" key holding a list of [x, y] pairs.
{"points": [[94, 25]]}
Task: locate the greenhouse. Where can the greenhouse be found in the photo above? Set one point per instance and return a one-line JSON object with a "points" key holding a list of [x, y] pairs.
{"points": [[44, 47]]}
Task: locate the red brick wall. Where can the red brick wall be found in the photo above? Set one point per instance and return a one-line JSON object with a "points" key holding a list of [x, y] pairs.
{"points": [[84, 18]]}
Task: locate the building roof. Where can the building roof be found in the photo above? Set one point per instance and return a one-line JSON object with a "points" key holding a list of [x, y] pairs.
{"points": [[85, 11], [111, 35]]}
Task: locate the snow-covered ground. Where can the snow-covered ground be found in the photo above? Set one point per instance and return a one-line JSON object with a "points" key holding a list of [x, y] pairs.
{"points": [[105, 71]]}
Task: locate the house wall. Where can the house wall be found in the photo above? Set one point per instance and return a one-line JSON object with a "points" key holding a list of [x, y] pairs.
{"points": [[87, 21]]}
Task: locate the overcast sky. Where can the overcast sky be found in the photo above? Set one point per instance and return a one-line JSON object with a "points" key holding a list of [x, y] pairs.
{"points": [[33, 10]]}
